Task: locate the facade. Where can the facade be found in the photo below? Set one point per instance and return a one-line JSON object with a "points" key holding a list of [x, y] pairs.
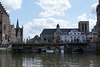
{"points": [[54, 35], [8, 33], [95, 28], [74, 36], [92, 37], [19, 33], [13, 34], [4, 19], [98, 20], [83, 26]]}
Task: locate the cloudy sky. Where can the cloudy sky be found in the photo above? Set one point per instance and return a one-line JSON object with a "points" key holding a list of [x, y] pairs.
{"points": [[35, 15]]}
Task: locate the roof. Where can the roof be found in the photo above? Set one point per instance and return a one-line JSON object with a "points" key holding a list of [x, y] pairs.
{"points": [[11, 26], [2, 9], [51, 31], [48, 31]]}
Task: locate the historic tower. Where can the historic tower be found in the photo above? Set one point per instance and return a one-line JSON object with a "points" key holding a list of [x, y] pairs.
{"points": [[83, 26], [19, 33], [98, 20]]}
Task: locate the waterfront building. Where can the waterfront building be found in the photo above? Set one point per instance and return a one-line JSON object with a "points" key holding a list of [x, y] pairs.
{"points": [[95, 28], [98, 20], [83, 26], [4, 19], [8, 33], [36, 39], [74, 36], [13, 34], [54, 35], [92, 36]]}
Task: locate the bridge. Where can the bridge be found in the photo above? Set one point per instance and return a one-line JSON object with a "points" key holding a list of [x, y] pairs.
{"points": [[31, 47]]}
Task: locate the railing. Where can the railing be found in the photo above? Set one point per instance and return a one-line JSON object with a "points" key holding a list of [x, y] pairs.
{"points": [[4, 45]]}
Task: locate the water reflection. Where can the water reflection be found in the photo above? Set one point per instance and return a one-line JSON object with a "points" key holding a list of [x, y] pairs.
{"points": [[49, 60]]}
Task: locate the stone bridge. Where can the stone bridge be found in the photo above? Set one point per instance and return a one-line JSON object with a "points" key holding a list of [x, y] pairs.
{"points": [[77, 47], [49, 47]]}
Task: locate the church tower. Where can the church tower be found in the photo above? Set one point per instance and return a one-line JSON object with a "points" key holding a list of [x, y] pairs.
{"points": [[98, 20], [17, 25], [19, 33]]}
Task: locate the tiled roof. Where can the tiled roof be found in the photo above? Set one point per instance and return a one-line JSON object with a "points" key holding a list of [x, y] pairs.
{"points": [[48, 31], [51, 31]]}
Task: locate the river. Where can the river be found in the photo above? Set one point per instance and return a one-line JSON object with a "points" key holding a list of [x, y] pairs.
{"points": [[49, 60]]}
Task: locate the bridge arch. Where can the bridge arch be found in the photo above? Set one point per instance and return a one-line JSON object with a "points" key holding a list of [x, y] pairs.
{"points": [[78, 49], [57, 49]]}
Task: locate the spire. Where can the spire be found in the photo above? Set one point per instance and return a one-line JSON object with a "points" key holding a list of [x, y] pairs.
{"points": [[99, 1], [17, 26], [58, 26], [22, 26]]}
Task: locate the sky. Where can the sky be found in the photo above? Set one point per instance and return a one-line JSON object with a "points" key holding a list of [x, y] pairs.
{"points": [[35, 15]]}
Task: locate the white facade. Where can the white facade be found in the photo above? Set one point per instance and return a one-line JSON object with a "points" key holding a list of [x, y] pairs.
{"points": [[74, 37]]}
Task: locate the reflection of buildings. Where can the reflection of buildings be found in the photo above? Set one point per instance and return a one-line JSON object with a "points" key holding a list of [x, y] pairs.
{"points": [[8, 33], [65, 35]]}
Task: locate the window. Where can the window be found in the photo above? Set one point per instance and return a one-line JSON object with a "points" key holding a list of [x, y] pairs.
{"points": [[85, 27], [4, 27], [6, 36]]}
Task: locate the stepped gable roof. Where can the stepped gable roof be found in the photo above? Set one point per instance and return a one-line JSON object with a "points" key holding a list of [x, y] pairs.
{"points": [[51, 31], [2, 9], [11, 26]]}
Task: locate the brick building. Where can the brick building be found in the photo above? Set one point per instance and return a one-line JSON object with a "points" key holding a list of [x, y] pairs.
{"points": [[8, 33], [13, 34], [98, 20], [4, 20]]}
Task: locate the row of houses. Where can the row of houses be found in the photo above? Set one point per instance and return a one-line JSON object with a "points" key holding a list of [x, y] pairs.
{"points": [[67, 35], [8, 32]]}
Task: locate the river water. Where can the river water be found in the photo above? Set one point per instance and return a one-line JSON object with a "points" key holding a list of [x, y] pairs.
{"points": [[49, 60]]}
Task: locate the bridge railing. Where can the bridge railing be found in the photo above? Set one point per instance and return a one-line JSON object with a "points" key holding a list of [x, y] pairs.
{"points": [[4, 45]]}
